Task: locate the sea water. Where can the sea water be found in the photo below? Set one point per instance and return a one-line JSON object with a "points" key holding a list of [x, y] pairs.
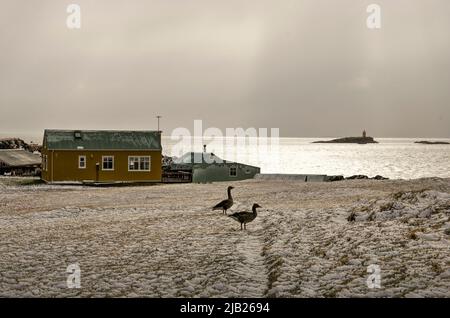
{"points": [[391, 157]]}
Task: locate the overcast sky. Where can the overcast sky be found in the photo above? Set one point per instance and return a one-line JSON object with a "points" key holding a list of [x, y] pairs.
{"points": [[308, 67]]}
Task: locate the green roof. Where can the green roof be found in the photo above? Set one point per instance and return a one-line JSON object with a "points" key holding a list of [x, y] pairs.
{"points": [[102, 140], [199, 157], [202, 158]]}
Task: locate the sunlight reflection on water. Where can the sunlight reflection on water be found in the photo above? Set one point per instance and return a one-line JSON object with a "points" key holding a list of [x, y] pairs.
{"points": [[391, 157]]}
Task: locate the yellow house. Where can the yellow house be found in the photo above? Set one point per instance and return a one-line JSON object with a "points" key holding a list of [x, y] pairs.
{"points": [[107, 156]]}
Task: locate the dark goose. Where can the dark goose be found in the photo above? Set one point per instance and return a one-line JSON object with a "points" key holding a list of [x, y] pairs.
{"points": [[225, 204], [245, 217]]}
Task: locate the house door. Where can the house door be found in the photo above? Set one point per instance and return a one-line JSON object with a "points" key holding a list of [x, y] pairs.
{"points": [[97, 171]]}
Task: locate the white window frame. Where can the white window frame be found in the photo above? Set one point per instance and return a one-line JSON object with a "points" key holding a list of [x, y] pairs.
{"points": [[79, 162], [139, 164], [103, 162], [236, 169]]}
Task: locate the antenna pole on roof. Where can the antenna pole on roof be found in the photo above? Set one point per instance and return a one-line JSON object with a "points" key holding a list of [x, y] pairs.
{"points": [[159, 117]]}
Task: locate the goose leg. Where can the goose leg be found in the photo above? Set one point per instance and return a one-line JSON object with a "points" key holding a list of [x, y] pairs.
{"points": [[241, 226]]}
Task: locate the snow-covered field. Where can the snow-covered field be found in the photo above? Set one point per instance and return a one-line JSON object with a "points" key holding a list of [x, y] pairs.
{"points": [[164, 240]]}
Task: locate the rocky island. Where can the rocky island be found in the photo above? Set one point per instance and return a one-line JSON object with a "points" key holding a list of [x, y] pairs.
{"points": [[349, 140]]}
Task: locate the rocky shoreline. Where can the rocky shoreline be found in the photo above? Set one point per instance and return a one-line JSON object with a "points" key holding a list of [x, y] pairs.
{"points": [[426, 142], [355, 177], [17, 143]]}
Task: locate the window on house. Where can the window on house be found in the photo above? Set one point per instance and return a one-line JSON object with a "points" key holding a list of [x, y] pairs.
{"points": [[248, 171], [139, 163], [81, 162], [108, 163], [144, 163], [233, 171], [133, 163]]}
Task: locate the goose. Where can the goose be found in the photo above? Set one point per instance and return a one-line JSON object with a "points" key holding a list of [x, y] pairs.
{"points": [[225, 204], [245, 217]]}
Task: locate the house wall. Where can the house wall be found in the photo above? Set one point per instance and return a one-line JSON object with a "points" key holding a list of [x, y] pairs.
{"points": [[221, 172], [63, 166], [20, 171], [30, 170]]}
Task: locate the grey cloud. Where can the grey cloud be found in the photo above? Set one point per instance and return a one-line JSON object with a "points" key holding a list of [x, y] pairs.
{"points": [[310, 67]]}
